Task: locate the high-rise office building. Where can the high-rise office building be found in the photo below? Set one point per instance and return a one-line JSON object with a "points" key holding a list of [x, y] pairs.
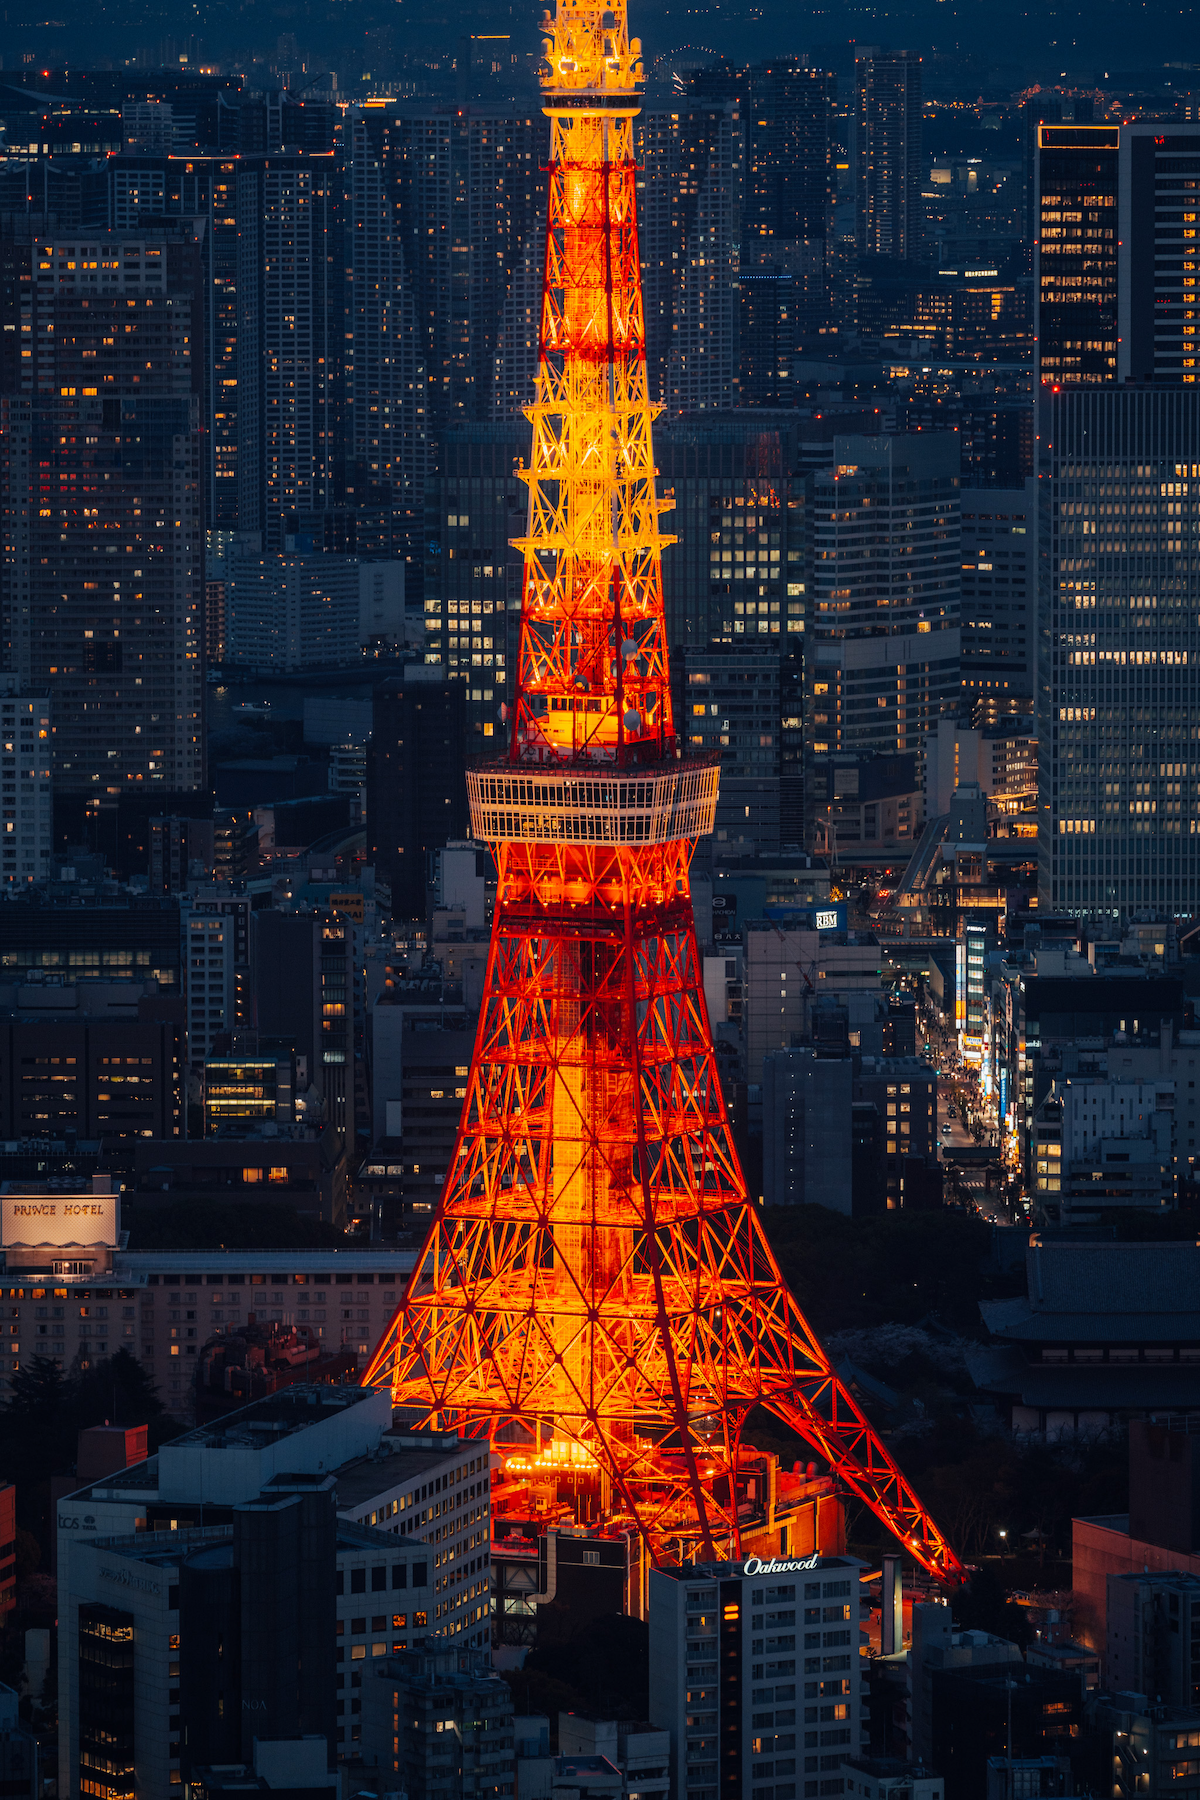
{"points": [[888, 171], [416, 782], [284, 1593], [146, 193], [385, 419], [999, 594], [26, 784], [731, 709], [1157, 266], [475, 505], [1075, 255], [884, 636], [470, 188], [257, 1624], [290, 339], [1115, 266], [786, 223], [737, 566], [1118, 651], [786, 109], [101, 587], [690, 193], [996, 435]]}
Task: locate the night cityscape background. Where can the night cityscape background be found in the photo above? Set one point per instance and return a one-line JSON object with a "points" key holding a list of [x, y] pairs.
{"points": [[599, 952]]}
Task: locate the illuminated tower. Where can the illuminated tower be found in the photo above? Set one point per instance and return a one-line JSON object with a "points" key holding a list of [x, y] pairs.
{"points": [[596, 1270]]}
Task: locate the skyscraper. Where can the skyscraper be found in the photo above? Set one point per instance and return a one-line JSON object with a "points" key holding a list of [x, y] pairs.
{"points": [[691, 193], [884, 602], [469, 187], [1119, 652], [787, 219], [1116, 266], [476, 504], [385, 417], [1075, 256], [999, 595], [786, 110], [732, 711], [101, 586], [148, 193], [415, 773], [887, 153], [290, 338], [1157, 265]]}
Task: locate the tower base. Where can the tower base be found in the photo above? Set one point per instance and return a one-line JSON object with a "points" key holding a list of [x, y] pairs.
{"points": [[562, 1551]]}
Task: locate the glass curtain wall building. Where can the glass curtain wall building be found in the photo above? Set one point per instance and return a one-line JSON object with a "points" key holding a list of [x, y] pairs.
{"points": [[1119, 651]]}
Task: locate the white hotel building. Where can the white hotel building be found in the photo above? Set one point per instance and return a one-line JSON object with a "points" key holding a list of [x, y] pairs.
{"points": [[69, 1291]]}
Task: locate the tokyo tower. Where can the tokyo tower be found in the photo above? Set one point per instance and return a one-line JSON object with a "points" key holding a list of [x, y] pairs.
{"points": [[595, 1269]]}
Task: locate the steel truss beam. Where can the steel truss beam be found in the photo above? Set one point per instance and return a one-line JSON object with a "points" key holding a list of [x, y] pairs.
{"points": [[595, 1266]]}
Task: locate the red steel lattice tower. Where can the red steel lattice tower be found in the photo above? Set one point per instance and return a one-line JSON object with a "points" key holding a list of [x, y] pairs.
{"points": [[595, 1268]]}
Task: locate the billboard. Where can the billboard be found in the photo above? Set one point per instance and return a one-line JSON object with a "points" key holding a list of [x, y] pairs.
{"points": [[58, 1219]]}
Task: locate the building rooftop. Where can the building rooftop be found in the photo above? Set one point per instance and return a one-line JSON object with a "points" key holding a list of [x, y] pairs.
{"points": [[1096, 1387], [1096, 1292], [781, 1565], [393, 1464], [587, 1768], [380, 1257], [888, 1768], [277, 1416], [233, 1459]]}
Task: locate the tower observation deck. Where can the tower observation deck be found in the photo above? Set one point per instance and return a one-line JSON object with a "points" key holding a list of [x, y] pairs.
{"points": [[596, 1272]]}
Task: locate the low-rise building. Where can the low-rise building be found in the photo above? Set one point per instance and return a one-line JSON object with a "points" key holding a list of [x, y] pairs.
{"points": [[1152, 1637], [1103, 1331], [1028, 1777], [887, 1778], [937, 1647], [302, 1167], [19, 1760], [438, 1724], [639, 1753], [1100, 1145], [548, 1582], [1155, 1750]]}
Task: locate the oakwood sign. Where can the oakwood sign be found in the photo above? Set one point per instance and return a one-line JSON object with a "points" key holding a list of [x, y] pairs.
{"points": [[754, 1566]]}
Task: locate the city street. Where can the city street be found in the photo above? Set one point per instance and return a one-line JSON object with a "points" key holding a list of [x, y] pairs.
{"points": [[955, 1086]]}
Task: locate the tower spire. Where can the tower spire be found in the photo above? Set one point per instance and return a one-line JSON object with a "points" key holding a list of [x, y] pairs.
{"points": [[596, 1267], [592, 668]]}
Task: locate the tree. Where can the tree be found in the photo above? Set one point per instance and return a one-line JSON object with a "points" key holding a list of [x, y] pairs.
{"points": [[605, 1658], [534, 1691], [29, 1555], [114, 1391], [38, 1389], [37, 1431], [983, 1605], [40, 1426]]}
